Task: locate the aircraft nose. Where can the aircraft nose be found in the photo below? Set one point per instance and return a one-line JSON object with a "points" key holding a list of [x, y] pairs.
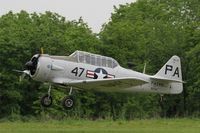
{"points": [[31, 65]]}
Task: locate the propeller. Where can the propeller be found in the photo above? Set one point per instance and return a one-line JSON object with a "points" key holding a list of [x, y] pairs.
{"points": [[30, 66], [24, 73]]}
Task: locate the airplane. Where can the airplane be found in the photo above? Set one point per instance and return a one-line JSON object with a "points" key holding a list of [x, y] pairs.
{"points": [[93, 72]]}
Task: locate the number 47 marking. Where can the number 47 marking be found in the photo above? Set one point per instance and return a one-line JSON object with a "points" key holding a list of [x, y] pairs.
{"points": [[78, 71]]}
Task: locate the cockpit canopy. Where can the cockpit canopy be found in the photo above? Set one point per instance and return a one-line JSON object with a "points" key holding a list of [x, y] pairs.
{"points": [[94, 59]]}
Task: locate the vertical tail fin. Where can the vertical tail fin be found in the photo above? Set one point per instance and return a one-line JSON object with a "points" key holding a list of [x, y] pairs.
{"points": [[170, 74], [171, 70]]}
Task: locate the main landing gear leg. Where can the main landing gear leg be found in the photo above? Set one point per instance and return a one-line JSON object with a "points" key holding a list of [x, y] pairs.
{"points": [[68, 101], [46, 100]]}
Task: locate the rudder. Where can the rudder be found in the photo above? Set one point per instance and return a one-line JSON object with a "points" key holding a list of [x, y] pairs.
{"points": [[171, 70]]}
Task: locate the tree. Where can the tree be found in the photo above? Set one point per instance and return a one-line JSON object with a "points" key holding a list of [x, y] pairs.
{"points": [[21, 35], [152, 31]]}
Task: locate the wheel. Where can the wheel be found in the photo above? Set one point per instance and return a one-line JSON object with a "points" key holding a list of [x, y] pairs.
{"points": [[46, 100], [68, 102]]}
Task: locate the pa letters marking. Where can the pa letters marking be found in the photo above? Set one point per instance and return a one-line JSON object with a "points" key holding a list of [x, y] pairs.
{"points": [[171, 68]]}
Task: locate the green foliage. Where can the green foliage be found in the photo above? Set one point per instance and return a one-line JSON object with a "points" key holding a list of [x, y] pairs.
{"points": [[152, 31], [21, 36], [147, 31]]}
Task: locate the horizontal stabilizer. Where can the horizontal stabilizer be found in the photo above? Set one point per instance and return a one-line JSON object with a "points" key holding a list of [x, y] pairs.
{"points": [[167, 79]]}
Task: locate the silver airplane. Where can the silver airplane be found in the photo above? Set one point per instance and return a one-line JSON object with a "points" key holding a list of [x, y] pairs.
{"points": [[87, 71]]}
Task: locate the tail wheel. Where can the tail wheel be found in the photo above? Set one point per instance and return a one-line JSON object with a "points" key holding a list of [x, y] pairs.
{"points": [[46, 101], [68, 102]]}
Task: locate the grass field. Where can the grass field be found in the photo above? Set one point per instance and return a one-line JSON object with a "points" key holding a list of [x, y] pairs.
{"points": [[83, 126]]}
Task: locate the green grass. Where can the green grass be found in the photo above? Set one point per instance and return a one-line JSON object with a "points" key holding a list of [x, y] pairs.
{"points": [[83, 126]]}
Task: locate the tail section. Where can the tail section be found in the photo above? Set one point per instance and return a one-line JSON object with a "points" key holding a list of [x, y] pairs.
{"points": [[171, 76], [171, 70]]}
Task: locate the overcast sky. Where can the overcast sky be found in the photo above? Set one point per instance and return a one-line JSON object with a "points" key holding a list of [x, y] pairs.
{"points": [[93, 12]]}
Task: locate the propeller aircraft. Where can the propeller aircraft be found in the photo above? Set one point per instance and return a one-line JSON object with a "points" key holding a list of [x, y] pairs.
{"points": [[88, 71]]}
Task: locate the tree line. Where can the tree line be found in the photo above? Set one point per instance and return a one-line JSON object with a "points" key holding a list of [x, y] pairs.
{"points": [[146, 31]]}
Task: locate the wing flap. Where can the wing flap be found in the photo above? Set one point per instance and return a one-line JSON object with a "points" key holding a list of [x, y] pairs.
{"points": [[115, 84]]}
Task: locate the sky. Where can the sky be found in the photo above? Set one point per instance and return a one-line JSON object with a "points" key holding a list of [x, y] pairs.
{"points": [[94, 12]]}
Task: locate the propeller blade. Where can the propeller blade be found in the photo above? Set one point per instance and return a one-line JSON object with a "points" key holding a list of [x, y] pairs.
{"points": [[21, 77], [24, 72], [17, 71]]}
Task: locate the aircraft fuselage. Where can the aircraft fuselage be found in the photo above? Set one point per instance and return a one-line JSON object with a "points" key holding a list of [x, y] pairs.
{"points": [[53, 69]]}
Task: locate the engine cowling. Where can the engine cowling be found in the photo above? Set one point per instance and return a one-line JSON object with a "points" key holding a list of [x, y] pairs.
{"points": [[40, 67]]}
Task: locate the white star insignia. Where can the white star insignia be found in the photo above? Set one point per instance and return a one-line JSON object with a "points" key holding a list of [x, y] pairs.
{"points": [[100, 75]]}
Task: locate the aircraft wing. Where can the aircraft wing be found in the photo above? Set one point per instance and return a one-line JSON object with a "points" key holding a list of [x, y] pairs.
{"points": [[115, 84]]}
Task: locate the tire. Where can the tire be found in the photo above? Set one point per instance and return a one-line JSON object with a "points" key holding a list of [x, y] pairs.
{"points": [[68, 102], [46, 101]]}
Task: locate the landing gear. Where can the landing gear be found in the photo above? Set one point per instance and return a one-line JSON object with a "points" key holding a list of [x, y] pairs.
{"points": [[68, 101], [46, 100]]}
